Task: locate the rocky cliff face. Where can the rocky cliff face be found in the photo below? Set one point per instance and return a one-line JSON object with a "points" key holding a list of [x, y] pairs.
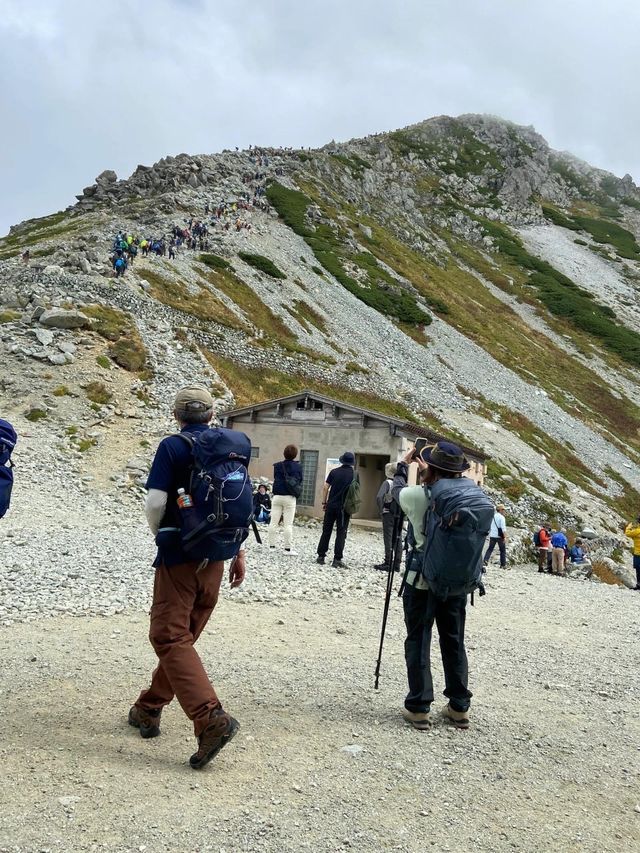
{"points": [[457, 271]]}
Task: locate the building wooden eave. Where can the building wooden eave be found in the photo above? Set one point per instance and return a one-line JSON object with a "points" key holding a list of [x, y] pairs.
{"points": [[396, 426]]}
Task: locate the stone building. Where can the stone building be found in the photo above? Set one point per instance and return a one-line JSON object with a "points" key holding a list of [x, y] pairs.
{"points": [[323, 428]]}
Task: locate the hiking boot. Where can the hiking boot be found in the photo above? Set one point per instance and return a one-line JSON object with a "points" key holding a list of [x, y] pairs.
{"points": [[148, 722], [460, 719], [320, 560], [218, 733], [420, 720], [381, 567], [338, 564]]}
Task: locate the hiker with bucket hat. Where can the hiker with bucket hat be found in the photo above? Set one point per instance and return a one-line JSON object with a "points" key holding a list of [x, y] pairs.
{"points": [[423, 601]]}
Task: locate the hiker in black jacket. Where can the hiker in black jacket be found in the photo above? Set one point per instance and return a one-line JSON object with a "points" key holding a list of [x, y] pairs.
{"points": [[333, 497]]}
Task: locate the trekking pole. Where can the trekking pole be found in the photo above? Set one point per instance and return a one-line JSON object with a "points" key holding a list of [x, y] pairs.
{"points": [[255, 531], [397, 529]]}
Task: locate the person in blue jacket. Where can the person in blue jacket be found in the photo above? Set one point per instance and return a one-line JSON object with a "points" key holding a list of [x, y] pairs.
{"points": [[559, 544], [287, 485]]}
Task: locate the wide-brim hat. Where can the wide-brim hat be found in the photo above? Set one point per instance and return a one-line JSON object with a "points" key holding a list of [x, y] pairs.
{"points": [[445, 456], [347, 458]]}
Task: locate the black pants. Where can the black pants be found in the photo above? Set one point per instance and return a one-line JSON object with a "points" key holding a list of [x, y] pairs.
{"points": [[334, 515], [388, 527], [421, 608], [501, 547]]}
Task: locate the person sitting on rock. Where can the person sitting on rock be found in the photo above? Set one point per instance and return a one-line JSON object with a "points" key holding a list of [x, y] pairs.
{"points": [[262, 505], [578, 557]]}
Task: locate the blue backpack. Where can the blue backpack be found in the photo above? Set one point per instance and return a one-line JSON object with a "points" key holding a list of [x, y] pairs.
{"points": [[455, 527], [8, 439], [217, 524]]}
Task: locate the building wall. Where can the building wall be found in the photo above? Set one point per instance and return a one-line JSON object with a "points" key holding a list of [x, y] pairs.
{"points": [[270, 440], [329, 431]]}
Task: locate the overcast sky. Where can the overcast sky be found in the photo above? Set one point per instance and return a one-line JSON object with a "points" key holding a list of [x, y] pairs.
{"points": [[107, 84]]}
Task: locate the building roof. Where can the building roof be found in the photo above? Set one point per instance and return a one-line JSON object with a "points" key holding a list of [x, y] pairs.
{"points": [[399, 426]]}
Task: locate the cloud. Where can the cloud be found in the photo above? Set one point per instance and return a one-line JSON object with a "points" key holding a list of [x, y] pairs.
{"points": [[90, 86]]}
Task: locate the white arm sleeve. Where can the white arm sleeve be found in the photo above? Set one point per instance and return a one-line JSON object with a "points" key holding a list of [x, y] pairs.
{"points": [[154, 507]]}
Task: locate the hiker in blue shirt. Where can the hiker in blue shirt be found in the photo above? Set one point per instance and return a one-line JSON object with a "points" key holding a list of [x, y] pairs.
{"points": [[559, 544]]}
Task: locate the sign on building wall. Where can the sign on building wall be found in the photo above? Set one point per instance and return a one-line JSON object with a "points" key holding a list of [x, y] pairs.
{"points": [[331, 464]]}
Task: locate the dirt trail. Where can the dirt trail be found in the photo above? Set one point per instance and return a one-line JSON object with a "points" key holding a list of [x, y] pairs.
{"points": [[551, 761]]}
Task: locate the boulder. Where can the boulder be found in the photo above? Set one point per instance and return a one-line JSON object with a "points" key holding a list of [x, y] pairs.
{"points": [[85, 266], [44, 336], [57, 358], [53, 269], [61, 318], [107, 177]]}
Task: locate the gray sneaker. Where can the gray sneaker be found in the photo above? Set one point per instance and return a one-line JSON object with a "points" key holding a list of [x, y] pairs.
{"points": [[338, 564], [420, 720]]}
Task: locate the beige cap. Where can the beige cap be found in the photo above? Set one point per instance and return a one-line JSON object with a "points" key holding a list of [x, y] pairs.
{"points": [[193, 398]]}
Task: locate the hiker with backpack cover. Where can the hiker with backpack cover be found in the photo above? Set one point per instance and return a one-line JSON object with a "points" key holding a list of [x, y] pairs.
{"points": [[450, 517], [8, 440], [200, 508]]}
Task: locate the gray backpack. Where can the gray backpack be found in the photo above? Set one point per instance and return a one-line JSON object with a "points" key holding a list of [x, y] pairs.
{"points": [[455, 527]]}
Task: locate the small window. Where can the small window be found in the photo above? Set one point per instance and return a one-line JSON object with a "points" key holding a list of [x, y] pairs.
{"points": [[255, 452], [318, 405], [300, 404], [309, 462]]}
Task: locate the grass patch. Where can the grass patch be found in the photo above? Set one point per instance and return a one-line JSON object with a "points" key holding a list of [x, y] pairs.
{"points": [[86, 444], [204, 305], [259, 262], [61, 391], [34, 415], [249, 385], [459, 152], [563, 298], [602, 571], [353, 367], [215, 262], [385, 296], [306, 315], [601, 230], [318, 270], [98, 393], [261, 316], [631, 202], [9, 316], [71, 430], [127, 348], [103, 361]]}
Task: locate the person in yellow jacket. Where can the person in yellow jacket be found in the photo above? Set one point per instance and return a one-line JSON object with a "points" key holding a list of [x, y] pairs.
{"points": [[632, 530]]}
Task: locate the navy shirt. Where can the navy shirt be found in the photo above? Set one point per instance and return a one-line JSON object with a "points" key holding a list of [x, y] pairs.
{"points": [[170, 471], [280, 470], [339, 479]]}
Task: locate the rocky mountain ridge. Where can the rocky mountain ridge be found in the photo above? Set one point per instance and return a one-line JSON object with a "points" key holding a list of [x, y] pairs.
{"points": [[457, 272]]}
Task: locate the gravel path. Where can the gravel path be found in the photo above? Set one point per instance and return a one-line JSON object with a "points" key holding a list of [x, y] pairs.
{"points": [[322, 761]]}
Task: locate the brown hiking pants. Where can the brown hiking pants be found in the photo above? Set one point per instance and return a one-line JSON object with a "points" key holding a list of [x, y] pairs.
{"points": [[183, 601]]}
